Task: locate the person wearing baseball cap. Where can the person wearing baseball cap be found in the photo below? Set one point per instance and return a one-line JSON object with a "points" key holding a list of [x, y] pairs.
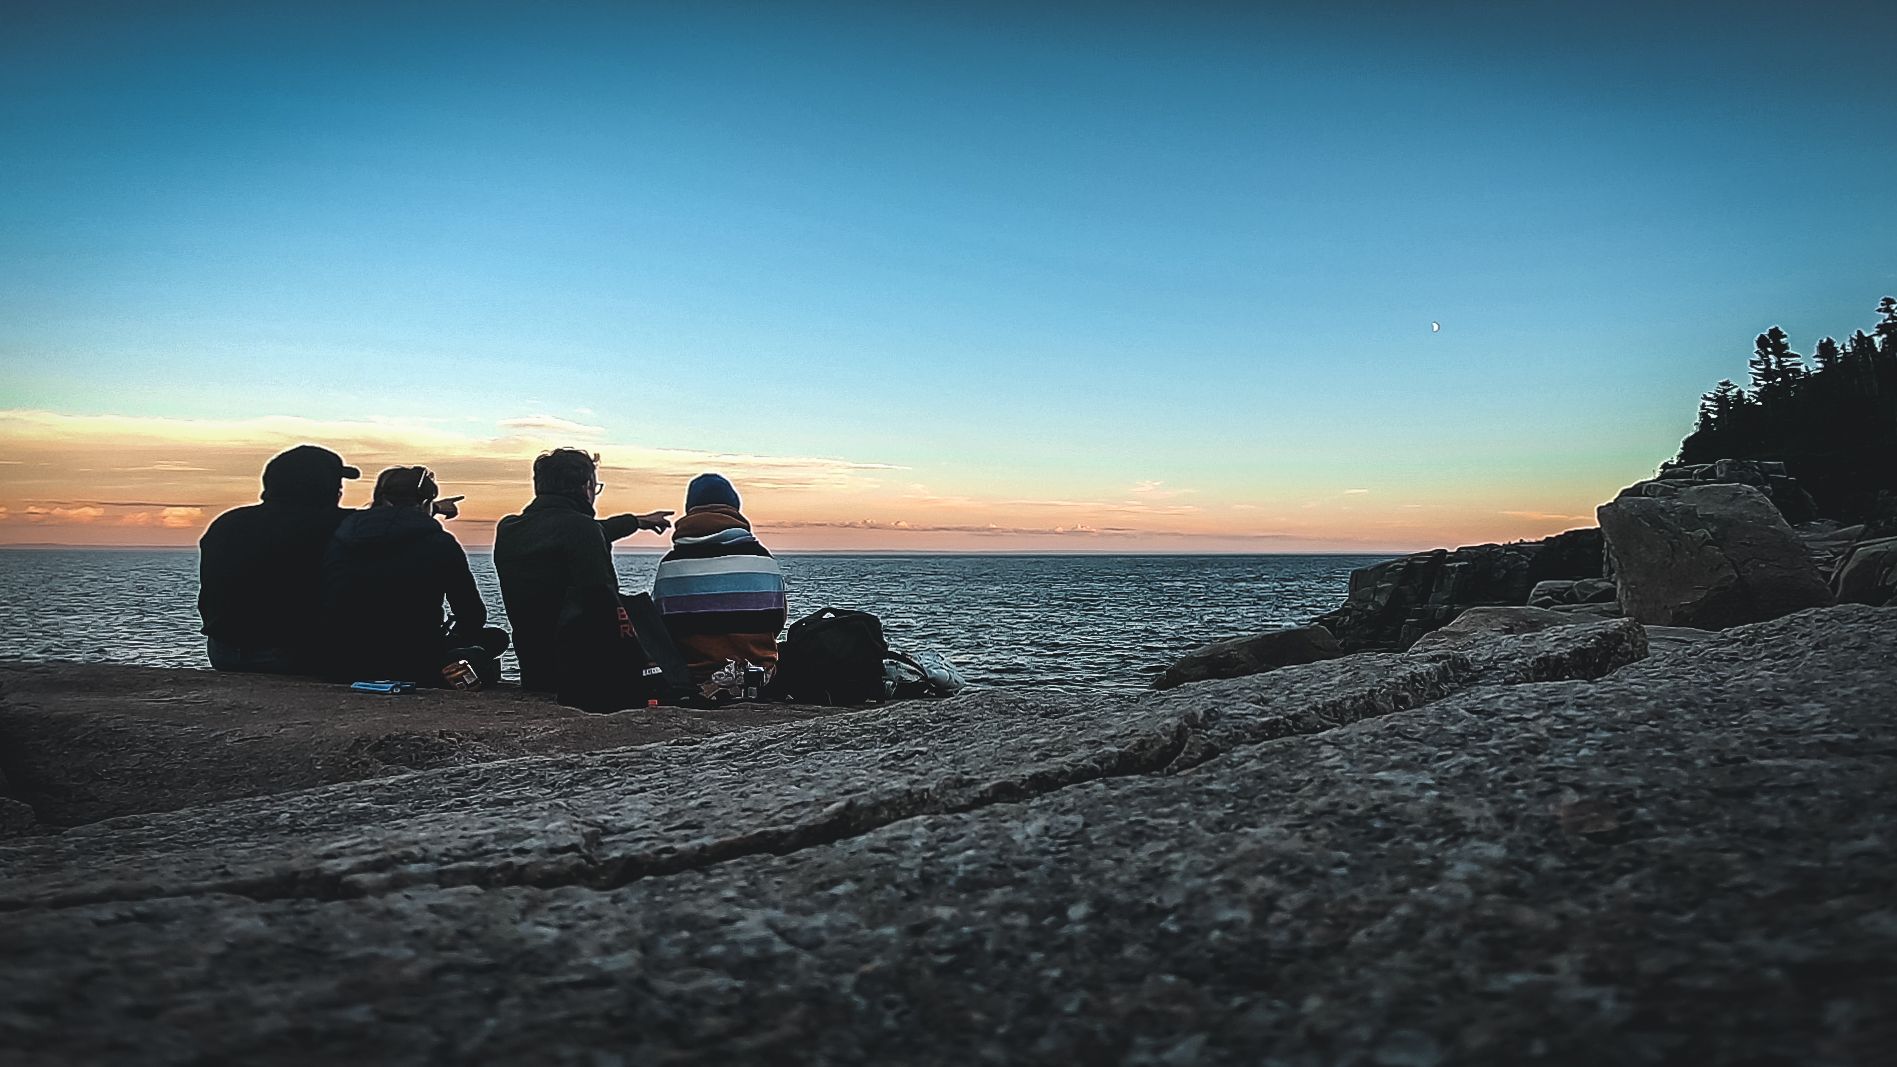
{"points": [[260, 589]]}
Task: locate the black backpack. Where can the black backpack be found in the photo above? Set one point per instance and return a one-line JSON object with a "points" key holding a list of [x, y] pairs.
{"points": [[832, 656]]}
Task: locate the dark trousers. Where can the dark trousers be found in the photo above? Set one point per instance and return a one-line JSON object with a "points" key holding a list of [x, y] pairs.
{"points": [[482, 650], [229, 657]]}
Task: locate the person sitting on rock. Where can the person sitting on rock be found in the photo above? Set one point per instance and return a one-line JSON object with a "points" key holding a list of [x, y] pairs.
{"points": [[260, 567], [554, 554], [720, 590], [386, 573]]}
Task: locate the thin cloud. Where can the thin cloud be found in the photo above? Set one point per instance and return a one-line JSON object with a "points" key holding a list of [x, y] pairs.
{"points": [[903, 526], [1076, 530], [117, 504], [756, 462], [1544, 516], [79, 516], [1355, 492], [1121, 507], [234, 449], [551, 424]]}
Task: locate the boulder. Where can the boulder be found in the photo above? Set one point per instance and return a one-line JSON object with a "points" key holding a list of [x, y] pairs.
{"points": [[1551, 592], [1566, 872], [1391, 604], [1868, 573], [1768, 476], [1568, 649], [1480, 624], [1710, 556], [1593, 591], [1574, 554], [1554, 593], [1251, 655], [1827, 542]]}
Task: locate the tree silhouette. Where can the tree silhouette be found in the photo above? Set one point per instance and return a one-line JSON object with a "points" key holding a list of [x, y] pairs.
{"points": [[1776, 369], [1826, 355], [1834, 425]]}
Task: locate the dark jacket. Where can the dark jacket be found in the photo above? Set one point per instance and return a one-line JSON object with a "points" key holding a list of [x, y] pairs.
{"points": [[553, 547], [385, 575], [259, 574]]}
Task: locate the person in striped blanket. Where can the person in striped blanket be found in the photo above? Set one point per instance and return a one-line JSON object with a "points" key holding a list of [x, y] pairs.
{"points": [[720, 591]]}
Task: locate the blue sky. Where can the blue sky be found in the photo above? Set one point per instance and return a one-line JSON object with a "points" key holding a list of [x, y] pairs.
{"points": [[1012, 252]]}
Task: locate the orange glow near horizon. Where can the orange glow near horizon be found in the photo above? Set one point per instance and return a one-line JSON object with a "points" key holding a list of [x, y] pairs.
{"points": [[123, 481]]}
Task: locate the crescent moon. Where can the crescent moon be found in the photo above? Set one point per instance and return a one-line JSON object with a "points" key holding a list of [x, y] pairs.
{"points": [[1435, 327]]}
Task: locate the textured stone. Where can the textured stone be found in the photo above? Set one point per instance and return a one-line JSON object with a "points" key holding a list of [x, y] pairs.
{"points": [[1598, 610], [1569, 649], [1674, 638], [1867, 573], [1684, 862], [1256, 654], [607, 818], [1393, 603], [1480, 624], [1593, 591], [15, 817], [1710, 556], [1551, 592], [84, 742], [1788, 497]]}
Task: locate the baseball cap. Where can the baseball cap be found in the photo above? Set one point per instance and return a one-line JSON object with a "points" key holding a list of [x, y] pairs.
{"points": [[306, 468]]}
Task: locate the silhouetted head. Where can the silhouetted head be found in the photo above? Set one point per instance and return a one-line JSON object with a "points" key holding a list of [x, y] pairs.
{"points": [[568, 472], [710, 489], [306, 474], [405, 487]]}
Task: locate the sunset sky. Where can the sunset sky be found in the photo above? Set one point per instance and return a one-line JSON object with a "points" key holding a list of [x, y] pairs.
{"points": [[927, 277]]}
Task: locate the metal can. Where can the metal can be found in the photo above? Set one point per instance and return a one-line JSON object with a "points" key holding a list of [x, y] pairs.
{"points": [[753, 682], [461, 675]]}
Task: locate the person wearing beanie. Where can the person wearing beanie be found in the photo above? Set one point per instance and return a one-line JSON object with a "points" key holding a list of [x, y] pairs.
{"points": [[719, 588], [260, 567], [708, 489], [385, 576], [556, 554]]}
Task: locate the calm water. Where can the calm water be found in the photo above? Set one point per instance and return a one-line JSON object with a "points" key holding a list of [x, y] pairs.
{"points": [[1061, 622]]}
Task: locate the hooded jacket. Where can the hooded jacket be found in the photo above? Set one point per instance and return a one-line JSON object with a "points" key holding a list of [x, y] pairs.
{"points": [[385, 575], [259, 569], [721, 591], [552, 548]]}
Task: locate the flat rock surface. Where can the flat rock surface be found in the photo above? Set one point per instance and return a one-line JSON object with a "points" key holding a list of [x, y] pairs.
{"points": [[1377, 860], [82, 742]]}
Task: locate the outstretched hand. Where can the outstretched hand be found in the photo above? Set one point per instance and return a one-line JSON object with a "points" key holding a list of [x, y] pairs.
{"points": [[656, 521], [449, 506]]}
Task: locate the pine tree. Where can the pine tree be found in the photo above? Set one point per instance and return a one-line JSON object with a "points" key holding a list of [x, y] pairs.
{"points": [[1775, 367], [1886, 328], [1708, 414], [1860, 351], [1826, 355]]}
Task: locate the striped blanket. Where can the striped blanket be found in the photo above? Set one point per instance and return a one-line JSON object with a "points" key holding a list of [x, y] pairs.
{"points": [[720, 591]]}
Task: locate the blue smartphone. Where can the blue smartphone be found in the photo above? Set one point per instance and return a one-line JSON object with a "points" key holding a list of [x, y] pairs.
{"points": [[383, 687]]}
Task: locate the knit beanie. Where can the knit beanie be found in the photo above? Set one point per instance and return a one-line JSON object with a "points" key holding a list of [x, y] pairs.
{"points": [[710, 489]]}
